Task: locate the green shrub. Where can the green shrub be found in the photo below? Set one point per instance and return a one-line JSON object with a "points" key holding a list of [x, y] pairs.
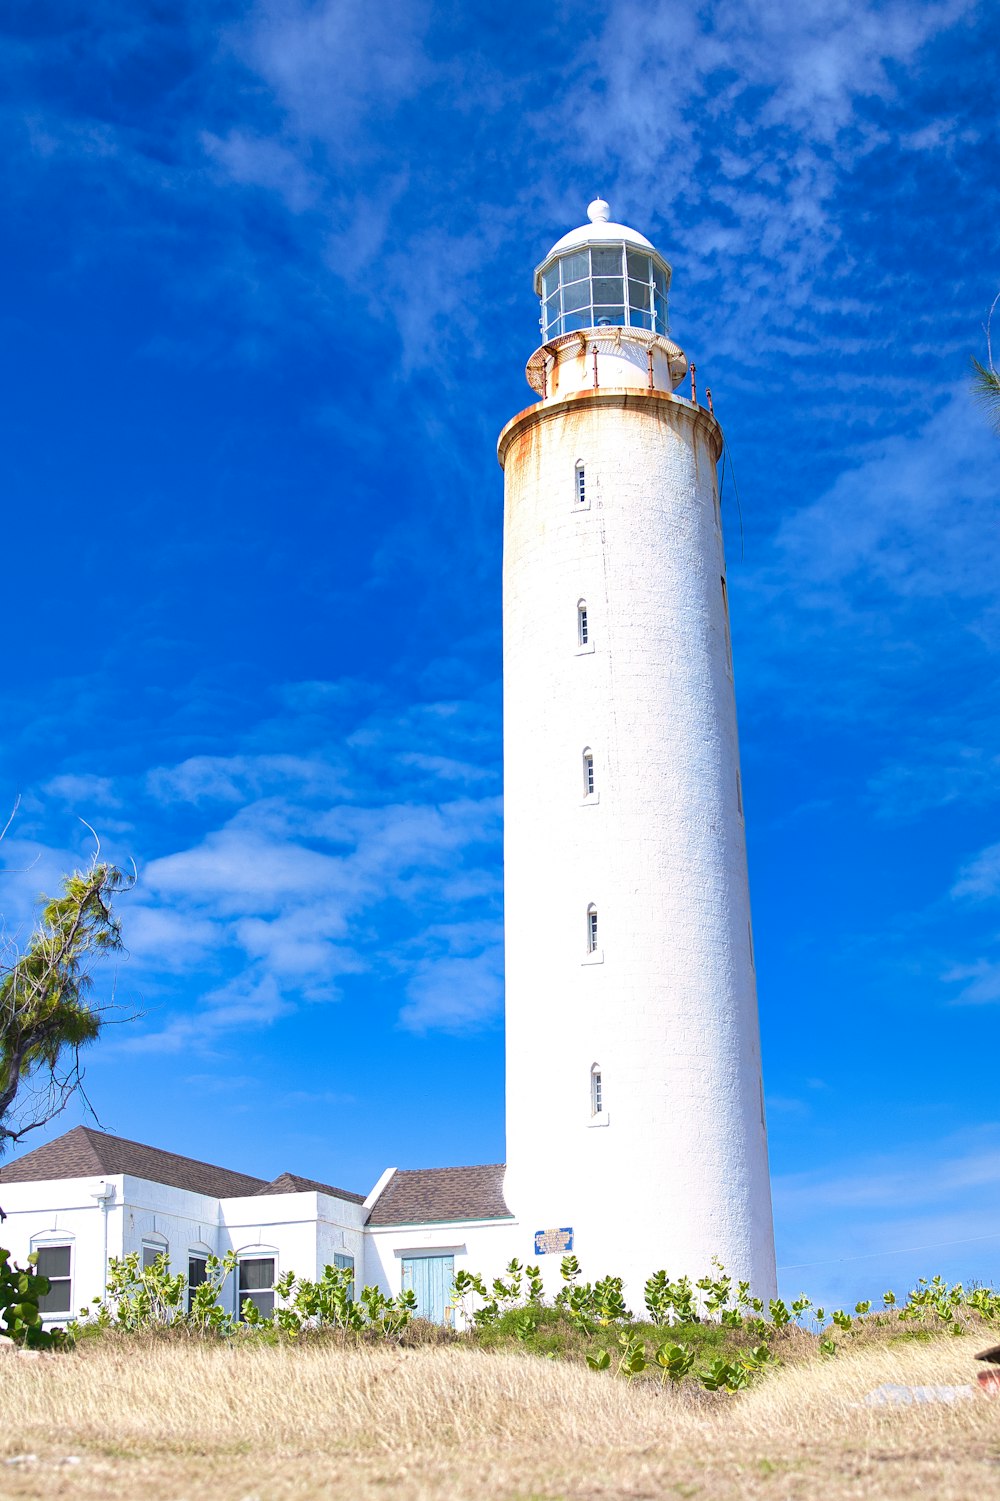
{"points": [[21, 1288]]}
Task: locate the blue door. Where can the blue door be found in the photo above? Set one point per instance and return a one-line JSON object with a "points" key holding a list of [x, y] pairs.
{"points": [[431, 1278]]}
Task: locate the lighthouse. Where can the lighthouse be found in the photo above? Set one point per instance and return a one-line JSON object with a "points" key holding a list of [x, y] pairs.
{"points": [[636, 1133]]}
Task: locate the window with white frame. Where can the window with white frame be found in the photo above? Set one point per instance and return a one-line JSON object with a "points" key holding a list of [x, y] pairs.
{"points": [[592, 929], [580, 478], [256, 1285], [55, 1262], [342, 1261], [197, 1272], [582, 624], [151, 1249], [596, 1090], [588, 772]]}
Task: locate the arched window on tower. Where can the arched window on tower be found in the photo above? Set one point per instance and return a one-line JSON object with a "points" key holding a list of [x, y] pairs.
{"points": [[589, 787], [582, 623], [592, 929], [580, 482], [596, 1090]]}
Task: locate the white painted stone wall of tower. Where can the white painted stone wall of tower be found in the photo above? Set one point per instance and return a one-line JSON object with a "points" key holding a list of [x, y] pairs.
{"points": [[667, 1008]]}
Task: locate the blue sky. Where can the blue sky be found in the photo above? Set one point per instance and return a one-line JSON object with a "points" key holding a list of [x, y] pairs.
{"points": [[268, 302]]}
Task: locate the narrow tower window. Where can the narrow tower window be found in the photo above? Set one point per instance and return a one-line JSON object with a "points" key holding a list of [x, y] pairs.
{"points": [[753, 961], [581, 485], [591, 929], [588, 773], [596, 1090], [739, 794], [582, 625]]}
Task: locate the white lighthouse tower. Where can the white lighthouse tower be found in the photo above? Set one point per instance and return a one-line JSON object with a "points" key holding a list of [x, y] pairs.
{"points": [[635, 1114]]}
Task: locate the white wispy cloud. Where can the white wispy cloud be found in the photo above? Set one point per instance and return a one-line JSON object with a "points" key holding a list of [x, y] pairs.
{"points": [[980, 982], [979, 879]]}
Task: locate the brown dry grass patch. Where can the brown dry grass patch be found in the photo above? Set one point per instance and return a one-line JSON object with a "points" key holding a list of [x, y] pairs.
{"points": [[181, 1420]]}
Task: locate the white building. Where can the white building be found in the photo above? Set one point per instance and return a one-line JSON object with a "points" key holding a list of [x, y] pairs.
{"points": [[635, 1115], [87, 1197]]}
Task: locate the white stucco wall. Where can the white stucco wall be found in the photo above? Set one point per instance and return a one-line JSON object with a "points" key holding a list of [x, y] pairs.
{"points": [[303, 1231], [677, 1171], [484, 1246], [64, 1211]]}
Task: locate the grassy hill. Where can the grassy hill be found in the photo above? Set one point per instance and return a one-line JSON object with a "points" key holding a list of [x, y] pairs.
{"points": [[181, 1418]]}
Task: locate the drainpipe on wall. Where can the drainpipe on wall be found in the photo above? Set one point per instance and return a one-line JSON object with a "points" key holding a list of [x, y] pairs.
{"points": [[105, 1197]]}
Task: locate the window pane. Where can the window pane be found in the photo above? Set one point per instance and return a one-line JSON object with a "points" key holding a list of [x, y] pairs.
{"points": [[57, 1299], [640, 320], [550, 281], [608, 289], [344, 1263], [576, 296], [575, 266], [149, 1255], [263, 1302], [53, 1261], [609, 315], [197, 1271], [661, 313], [660, 280], [638, 265], [553, 329], [638, 295], [255, 1274], [573, 321], [550, 308], [607, 262]]}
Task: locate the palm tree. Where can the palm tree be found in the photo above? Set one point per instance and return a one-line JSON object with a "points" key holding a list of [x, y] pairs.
{"points": [[986, 378]]}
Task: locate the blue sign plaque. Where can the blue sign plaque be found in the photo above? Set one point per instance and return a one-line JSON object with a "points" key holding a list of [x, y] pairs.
{"points": [[554, 1242]]}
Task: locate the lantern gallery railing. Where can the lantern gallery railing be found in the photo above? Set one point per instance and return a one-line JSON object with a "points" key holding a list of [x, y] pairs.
{"points": [[601, 286]]}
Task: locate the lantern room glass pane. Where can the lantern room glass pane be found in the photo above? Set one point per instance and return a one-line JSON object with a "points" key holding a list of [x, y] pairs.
{"points": [[572, 321], [639, 319], [577, 296], [660, 280], [638, 294], [550, 281], [606, 261], [575, 266], [608, 289], [604, 315], [638, 265]]}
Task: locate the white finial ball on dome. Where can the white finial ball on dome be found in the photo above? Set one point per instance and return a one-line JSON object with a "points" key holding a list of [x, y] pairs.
{"points": [[599, 212]]}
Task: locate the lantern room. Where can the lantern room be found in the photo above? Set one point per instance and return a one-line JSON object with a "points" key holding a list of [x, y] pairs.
{"points": [[602, 275]]}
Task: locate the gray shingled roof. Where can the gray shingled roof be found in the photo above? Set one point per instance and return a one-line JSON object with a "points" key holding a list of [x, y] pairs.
{"points": [[85, 1153], [290, 1183], [424, 1196]]}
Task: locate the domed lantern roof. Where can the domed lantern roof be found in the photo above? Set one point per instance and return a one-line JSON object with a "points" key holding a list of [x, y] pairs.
{"points": [[602, 274]]}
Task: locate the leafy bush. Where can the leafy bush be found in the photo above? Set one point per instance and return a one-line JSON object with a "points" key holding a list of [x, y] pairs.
{"points": [[20, 1317], [710, 1330]]}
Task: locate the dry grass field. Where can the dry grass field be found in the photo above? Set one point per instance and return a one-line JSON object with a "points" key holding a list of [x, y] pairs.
{"points": [[180, 1421]]}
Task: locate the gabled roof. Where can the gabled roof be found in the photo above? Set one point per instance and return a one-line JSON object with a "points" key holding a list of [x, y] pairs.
{"points": [[85, 1153], [290, 1183], [430, 1195]]}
